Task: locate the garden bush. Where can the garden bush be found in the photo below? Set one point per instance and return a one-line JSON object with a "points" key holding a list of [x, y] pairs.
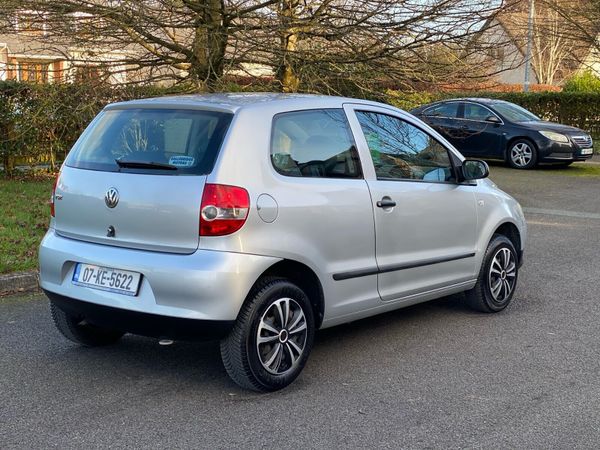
{"points": [[40, 122], [582, 82]]}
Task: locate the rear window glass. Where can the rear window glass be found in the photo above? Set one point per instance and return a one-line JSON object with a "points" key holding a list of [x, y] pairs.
{"points": [[443, 110], [165, 141]]}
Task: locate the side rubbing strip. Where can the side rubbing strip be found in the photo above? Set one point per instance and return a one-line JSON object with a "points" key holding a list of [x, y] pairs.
{"points": [[394, 267], [355, 274]]}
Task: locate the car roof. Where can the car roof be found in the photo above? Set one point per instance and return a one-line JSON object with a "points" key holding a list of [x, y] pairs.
{"points": [[232, 102], [483, 100]]}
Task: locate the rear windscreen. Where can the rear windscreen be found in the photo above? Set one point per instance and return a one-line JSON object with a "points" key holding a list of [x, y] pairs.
{"points": [[165, 141]]}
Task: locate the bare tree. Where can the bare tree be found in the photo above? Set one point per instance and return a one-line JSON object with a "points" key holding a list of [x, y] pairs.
{"points": [[580, 18], [163, 39], [557, 47], [580, 23], [553, 46], [308, 44], [330, 44]]}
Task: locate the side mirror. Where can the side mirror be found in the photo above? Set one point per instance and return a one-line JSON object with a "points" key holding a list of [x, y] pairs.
{"points": [[493, 119], [474, 169]]}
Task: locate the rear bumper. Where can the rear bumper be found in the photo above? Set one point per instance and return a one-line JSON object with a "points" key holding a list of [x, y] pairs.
{"points": [[206, 285], [144, 324]]}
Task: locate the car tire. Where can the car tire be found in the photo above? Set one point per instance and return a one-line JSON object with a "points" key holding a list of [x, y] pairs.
{"points": [[521, 154], [272, 337], [77, 330], [497, 279]]}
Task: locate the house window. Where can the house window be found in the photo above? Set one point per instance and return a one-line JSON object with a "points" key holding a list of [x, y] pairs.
{"points": [[89, 73], [496, 52], [57, 71], [11, 69], [33, 71]]}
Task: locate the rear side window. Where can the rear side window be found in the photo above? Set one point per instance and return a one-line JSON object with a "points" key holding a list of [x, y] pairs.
{"points": [[186, 141], [476, 112], [315, 143], [444, 110]]}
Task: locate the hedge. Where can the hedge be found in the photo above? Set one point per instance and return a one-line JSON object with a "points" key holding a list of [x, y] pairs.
{"points": [[40, 122]]}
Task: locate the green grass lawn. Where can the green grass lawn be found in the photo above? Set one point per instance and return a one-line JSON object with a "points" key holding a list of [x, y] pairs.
{"points": [[584, 169], [24, 216]]}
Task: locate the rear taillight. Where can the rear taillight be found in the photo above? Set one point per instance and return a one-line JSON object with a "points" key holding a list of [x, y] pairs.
{"points": [[224, 209], [52, 199]]}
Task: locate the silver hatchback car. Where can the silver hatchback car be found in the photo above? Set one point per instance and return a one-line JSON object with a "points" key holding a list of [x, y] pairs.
{"points": [[259, 218]]}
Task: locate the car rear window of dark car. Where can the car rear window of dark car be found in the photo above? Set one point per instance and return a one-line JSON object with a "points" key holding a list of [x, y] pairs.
{"points": [[443, 110], [164, 141]]}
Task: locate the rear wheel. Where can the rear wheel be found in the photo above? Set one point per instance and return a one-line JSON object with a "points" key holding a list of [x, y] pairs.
{"points": [[497, 278], [521, 154], [272, 338], [78, 330]]}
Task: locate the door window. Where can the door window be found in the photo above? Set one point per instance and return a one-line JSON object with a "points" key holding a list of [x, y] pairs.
{"points": [[402, 151], [449, 110], [314, 143], [476, 112]]}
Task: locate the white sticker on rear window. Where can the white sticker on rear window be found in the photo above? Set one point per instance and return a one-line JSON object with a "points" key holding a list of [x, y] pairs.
{"points": [[181, 161]]}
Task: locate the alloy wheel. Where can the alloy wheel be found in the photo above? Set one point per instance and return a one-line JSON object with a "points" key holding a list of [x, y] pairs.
{"points": [[281, 336], [521, 154], [502, 275]]}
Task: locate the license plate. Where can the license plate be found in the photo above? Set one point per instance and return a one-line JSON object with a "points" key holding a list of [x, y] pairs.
{"points": [[587, 151], [107, 279]]}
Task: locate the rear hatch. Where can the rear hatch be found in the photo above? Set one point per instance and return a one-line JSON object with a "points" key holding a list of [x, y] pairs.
{"points": [[135, 178]]}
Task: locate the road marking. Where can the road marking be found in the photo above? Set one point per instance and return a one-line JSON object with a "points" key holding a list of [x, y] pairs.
{"points": [[553, 224], [562, 212]]}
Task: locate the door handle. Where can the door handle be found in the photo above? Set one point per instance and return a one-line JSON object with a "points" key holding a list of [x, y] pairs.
{"points": [[386, 202]]}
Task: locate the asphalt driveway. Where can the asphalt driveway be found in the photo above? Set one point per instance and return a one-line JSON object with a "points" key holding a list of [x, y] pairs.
{"points": [[430, 376]]}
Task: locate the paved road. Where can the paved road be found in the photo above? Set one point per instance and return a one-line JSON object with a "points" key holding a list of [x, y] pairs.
{"points": [[431, 376]]}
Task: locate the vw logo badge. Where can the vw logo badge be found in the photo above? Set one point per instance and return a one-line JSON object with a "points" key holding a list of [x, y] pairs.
{"points": [[111, 198]]}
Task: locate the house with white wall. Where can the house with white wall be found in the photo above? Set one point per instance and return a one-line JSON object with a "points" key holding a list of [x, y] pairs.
{"points": [[27, 55]]}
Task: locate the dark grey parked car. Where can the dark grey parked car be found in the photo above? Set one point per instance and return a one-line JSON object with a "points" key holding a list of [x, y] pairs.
{"points": [[496, 129]]}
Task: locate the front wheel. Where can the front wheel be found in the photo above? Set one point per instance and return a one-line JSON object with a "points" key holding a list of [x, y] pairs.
{"points": [[497, 278], [522, 154], [272, 337]]}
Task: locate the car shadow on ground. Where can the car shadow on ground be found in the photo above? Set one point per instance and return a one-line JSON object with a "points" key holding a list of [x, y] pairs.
{"points": [[199, 363]]}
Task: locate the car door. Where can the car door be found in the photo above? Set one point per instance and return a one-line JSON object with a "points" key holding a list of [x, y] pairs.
{"points": [[479, 136], [425, 222]]}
